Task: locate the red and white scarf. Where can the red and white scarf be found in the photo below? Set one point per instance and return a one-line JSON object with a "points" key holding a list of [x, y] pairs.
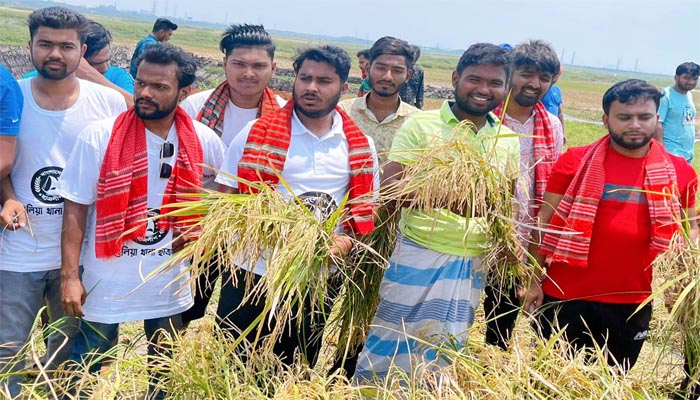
{"points": [[122, 190], [577, 210], [266, 151], [213, 110], [543, 148]]}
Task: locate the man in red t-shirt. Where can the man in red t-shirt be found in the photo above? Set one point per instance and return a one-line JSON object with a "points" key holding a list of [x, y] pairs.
{"points": [[610, 193]]}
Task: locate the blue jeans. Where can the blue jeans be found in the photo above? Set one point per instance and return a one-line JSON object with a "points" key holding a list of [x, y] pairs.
{"points": [[94, 339], [22, 295]]}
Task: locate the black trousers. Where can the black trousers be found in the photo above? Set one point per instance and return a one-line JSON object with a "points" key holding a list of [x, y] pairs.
{"points": [[614, 326], [304, 335], [501, 308]]}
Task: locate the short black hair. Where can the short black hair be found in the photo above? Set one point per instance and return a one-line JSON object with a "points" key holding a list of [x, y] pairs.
{"points": [[484, 54], [97, 38], [363, 53], [538, 54], [393, 46], [689, 68], [416, 52], [166, 54], [245, 35], [164, 24], [57, 18], [629, 91], [335, 56]]}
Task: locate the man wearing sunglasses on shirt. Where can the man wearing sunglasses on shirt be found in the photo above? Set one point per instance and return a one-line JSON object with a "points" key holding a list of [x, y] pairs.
{"points": [[123, 170]]}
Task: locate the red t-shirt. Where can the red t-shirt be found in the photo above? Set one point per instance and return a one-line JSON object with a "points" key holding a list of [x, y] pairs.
{"points": [[619, 260]]}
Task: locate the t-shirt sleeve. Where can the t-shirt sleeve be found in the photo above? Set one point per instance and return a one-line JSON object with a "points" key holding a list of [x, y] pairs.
{"points": [[78, 182], [122, 79], [664, 105], [406, 143], [563, 173], [229, 167], [11, 102]]}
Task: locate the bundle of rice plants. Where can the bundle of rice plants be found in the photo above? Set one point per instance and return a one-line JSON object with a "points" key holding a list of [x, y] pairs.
{"points": [[470, 175], [679, 268], [239, 229], [360, 296]]}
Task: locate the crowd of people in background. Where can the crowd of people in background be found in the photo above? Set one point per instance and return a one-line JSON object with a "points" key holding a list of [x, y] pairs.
{"points": [[88, 152]]}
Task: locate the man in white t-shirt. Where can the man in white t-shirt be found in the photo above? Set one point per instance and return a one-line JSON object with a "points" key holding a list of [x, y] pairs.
{"points": [[57, 106], [244, 96], [322, 156], [121, 172]]}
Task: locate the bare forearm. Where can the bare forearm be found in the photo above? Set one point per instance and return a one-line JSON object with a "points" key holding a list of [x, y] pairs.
{"points": [[74, 216], [7, 191]]}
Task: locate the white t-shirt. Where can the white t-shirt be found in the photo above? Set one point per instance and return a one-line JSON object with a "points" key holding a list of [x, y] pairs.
{"points": [[235, 118], [315, 167], [129, 287], [44, 143]]}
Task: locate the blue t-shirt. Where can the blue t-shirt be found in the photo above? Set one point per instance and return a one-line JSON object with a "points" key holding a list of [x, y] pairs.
{"points": [[140, 47], [116, 75], [11, 102], [677, 116], [552, 100]]}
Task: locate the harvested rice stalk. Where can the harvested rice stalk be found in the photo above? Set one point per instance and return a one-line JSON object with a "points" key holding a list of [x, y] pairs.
{"points": [[360, 297], [680, 268], [241, 228]]}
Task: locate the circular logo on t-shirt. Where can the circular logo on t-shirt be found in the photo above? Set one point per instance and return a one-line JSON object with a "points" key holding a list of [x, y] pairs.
{"points": [[45, 185], [153, 234], [320, 204]]}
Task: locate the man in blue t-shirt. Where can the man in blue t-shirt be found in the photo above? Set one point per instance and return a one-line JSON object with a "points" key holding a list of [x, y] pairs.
{"points": [[11, 102], [162, 31], [676, 127]]}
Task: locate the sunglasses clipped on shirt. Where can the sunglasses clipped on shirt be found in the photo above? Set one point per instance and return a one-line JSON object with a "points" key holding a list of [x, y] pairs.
{"points": [[167, 151]]}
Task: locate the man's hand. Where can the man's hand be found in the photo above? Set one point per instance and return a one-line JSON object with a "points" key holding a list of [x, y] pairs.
{"points": [[13, 215], [342, 244], [531, 296], [72, 296]]}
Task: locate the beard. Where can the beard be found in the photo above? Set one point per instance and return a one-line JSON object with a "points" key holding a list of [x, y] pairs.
{"points": [[619, 139], [526, 101], [160, 111], [392, 91], [477, 111], [53, 74], [315, 113]]}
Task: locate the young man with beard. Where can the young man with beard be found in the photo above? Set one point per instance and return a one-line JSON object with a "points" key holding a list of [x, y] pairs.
{"points": [[119, 170], [96, 64], [322, 156], [433, 284], [676, 127], [381, 111], [244, 96], [535, 67], [615, 192], [57, 106]]}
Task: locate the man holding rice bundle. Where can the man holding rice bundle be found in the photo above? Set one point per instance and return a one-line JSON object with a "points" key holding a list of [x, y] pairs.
{"points": [[434, 281], [244, 96], [313, 149], [624, 195], [121, 171], [535, 67]]}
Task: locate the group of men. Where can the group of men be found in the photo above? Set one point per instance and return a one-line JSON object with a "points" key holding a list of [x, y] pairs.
{"points": [[90, 169]]}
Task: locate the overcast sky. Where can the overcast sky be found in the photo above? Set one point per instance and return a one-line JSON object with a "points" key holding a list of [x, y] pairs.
{"points": [[658, 35]]}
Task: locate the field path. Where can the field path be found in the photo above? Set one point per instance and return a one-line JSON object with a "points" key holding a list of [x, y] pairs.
{"points": [[577, 119]]}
